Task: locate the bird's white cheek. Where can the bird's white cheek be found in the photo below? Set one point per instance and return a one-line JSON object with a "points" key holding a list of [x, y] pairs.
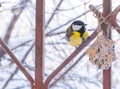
{"points": [[73, 27], [76, 27]]}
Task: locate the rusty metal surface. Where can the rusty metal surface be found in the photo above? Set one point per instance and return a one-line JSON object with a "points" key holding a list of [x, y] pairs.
{"points": [[107, 73], [111, 18], [39, 44], [107, 79], [20, 66]]}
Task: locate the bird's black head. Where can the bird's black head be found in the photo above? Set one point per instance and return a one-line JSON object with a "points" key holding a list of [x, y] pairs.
{"points": [[78, 26], [78, 22]]}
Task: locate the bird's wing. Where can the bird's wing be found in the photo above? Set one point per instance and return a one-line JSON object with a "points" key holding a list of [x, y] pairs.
{"points": [[85, 35], [69, 33]]}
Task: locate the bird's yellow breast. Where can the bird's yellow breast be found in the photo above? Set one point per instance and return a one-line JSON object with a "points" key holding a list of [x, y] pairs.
{"points": [[75, 40]]}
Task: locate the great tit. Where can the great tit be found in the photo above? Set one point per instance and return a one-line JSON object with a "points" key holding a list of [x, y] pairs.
{"points": [[76, 33]]}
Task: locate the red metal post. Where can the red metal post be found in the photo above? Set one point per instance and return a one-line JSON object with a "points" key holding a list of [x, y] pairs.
{"points": [[106, 73], [112, 20], [39, 44], [107, 79]]}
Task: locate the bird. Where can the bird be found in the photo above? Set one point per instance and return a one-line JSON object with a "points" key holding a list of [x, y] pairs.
{"points": [[76, 33]]}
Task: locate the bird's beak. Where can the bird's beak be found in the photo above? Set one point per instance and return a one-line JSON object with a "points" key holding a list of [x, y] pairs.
{"points": [[85, 24]]}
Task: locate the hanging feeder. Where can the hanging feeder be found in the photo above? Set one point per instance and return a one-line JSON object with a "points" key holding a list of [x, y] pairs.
{"points": [[102, 52]]}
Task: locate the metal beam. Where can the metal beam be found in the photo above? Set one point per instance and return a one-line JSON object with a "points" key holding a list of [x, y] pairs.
{"points": [[106, 73], [39, 44], [16, 61]]}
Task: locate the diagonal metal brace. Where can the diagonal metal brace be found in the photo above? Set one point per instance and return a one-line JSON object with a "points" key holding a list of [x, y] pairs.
{"points": [[111, 18], [16, 61]]}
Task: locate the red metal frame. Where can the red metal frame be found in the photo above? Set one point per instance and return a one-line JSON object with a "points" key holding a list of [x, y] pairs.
{"points": [[106, 73], [39, 44], [39, 48], [20, 66]]}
